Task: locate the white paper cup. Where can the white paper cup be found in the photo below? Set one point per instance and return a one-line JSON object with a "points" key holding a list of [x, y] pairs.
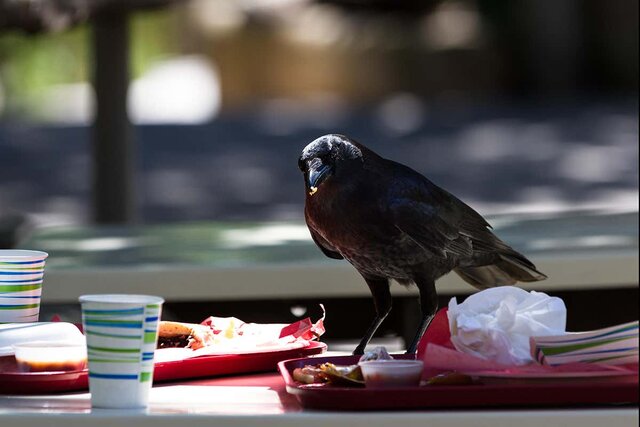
{"points": [[21, 275], [122, 332]]}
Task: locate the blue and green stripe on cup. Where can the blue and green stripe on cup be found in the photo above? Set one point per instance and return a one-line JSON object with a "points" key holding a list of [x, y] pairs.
{"points": [[21, 276], [128, 339]]}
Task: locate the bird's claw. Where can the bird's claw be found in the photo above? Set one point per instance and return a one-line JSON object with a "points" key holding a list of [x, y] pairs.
{"points": [[359, 351], [412, 353]]}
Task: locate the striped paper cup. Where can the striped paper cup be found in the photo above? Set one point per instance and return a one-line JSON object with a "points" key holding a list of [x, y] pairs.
{"points": [[122, 332], [21, 275]]}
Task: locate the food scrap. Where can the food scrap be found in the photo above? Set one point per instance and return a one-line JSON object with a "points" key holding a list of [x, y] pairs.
{"points": [[230, 335], [183, 335], [387, 372], [330, 374]]}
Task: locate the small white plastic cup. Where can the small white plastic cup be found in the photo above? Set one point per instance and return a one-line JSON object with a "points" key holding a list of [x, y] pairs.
{"points": [[391, 373], [122, 332], [21, 276], [41, 356]]}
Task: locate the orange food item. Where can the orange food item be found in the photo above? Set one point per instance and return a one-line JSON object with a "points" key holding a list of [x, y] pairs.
{"points": [[37, 366]]}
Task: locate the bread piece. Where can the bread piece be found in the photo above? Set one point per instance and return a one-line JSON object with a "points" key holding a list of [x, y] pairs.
{"points": [[184, 335]]}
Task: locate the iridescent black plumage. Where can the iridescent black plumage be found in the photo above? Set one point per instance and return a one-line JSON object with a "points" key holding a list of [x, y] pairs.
{"points": [[390, 222]]}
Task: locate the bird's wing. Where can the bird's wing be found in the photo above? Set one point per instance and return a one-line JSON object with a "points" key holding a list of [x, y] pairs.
{"points": [[427, 226], [468, 222], [325, 246]]}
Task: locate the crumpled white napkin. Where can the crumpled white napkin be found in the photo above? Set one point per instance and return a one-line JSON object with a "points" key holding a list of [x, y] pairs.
{"points": [[496, 323]]}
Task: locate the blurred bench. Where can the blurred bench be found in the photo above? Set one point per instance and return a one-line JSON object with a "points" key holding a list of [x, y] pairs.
{"points": [[272, 272], [216, 262]]}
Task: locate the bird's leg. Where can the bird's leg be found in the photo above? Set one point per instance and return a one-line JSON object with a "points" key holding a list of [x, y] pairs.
{"points": [[428, 307], [382, 303]]}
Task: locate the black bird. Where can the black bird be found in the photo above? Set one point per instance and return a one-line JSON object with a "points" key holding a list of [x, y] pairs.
{"points": [[390, 222]]}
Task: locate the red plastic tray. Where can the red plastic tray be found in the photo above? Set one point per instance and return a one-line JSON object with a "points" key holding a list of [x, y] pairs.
{"points": [[623, 390], [14, 382]]}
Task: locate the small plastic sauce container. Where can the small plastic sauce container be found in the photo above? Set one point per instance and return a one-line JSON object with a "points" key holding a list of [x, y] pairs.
{"points": [[391, 373], [41, 356]]}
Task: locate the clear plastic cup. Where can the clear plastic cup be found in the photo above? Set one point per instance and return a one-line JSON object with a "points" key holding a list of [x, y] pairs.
{"points": [[41, 356], [391, 373]]}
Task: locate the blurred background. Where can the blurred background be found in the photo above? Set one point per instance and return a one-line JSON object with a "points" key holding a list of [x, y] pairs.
{"points": [[127, 127]]}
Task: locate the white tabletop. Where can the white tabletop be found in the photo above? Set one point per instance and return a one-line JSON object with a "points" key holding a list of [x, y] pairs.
{"points": [[260, 400]]}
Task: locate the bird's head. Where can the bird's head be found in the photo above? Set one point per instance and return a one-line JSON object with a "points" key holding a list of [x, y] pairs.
{"points": [[326, 157]]}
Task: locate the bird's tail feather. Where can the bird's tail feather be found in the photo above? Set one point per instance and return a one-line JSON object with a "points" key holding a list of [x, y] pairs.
{"points": [[511, 267], [520, 268]]}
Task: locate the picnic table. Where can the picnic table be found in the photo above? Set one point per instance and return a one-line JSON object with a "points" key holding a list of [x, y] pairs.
{"points": [[236, 262]]}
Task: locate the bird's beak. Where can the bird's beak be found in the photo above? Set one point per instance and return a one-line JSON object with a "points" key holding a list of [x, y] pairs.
{"points": [[317, 172]]}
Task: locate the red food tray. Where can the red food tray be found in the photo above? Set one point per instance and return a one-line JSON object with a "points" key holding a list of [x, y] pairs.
{"points": [[623, 390], [14, 382]]}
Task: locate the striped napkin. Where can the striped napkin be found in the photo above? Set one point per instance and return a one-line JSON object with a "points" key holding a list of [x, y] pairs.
{"points": [[615, 345]]}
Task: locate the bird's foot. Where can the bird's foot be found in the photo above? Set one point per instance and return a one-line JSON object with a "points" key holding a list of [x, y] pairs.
{"points": [[412, 353], [359, 351]]}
